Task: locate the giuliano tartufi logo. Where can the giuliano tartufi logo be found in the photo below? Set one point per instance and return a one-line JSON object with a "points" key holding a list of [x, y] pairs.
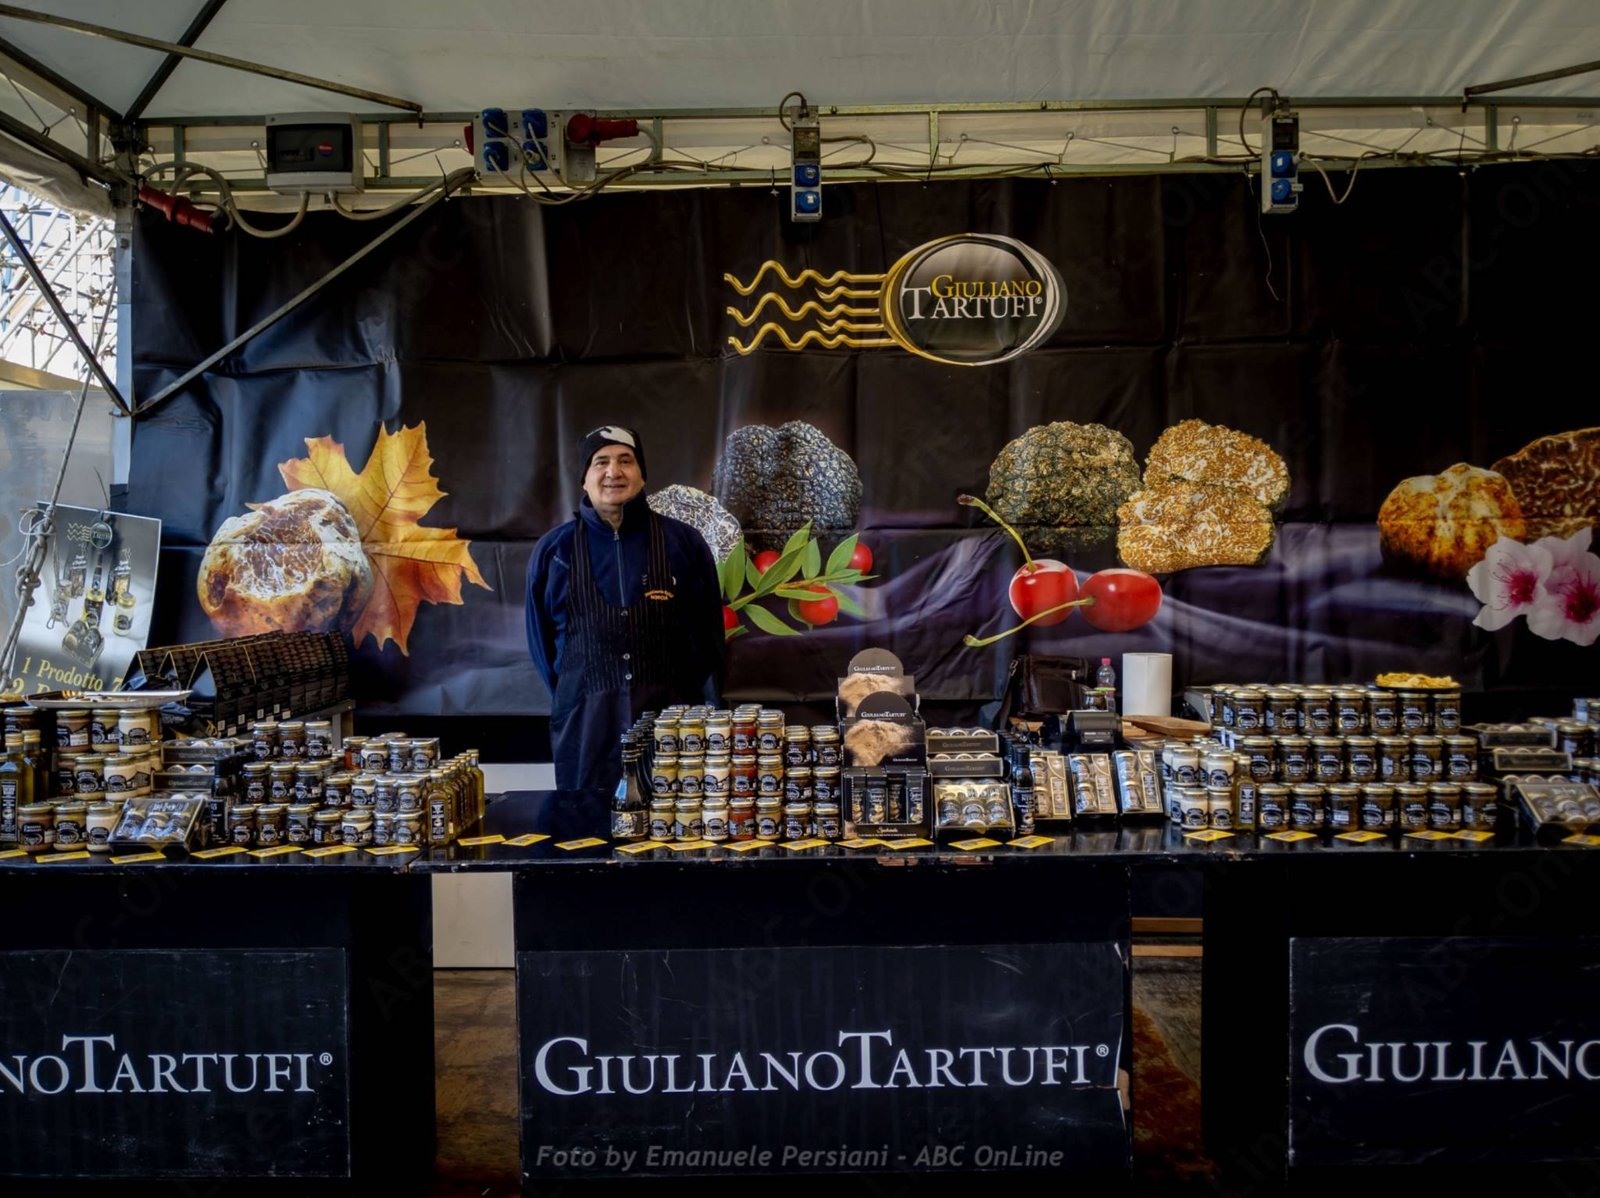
{"points": [[971, 299]]}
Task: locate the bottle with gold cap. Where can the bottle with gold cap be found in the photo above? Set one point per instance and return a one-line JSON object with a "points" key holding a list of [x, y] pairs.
{"points": [[16, 788]]}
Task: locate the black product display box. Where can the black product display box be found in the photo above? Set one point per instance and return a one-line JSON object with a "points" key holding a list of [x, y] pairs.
{"points": [[1092, 732], [889, 803]]}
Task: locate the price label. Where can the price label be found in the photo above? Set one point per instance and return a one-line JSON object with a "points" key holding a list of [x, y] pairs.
{"points": [[633, 850], [686, 846], [588, 842], [913, 842], [744, 846], [10, 853], [474, 841], [1031, 842], [861, 842], [1582, 838], [282, 850], [1366, 837], [226, 850], [972, 846], [1291, 837], [811, 842], [389, 850], [1479, 835], [137, 858], [1428, 834], [331, 850], [527, 838], [81, 855], [1207, 835]]}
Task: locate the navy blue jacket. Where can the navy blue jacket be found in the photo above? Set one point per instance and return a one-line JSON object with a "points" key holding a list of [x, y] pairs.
{"points": [[629, 548]]}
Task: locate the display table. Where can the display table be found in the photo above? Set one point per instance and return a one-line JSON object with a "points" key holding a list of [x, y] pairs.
{"points": [[187, 1022]]}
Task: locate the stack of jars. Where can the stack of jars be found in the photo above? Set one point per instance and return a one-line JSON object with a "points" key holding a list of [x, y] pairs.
{"points": [[741, 774], [1324, 710], [102, 756]]}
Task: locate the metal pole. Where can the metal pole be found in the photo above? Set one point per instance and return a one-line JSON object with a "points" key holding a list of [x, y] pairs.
{"points": [[43, 284], [1478, 89], [221, 60]]}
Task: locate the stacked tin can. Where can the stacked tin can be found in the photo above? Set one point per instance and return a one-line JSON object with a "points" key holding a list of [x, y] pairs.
{"points": [[1355, 758]]}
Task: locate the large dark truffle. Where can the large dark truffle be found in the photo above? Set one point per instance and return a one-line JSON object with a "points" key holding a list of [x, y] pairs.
{"points": [[775, 479], [1060, 484]]}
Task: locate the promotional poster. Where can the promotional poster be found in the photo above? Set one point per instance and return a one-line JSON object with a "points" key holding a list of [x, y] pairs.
{"points": [[957, 421]]}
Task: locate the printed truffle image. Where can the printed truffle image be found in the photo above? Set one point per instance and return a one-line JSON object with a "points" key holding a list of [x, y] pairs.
{"points": [[701, 512], [1197, 452], [773, 480], [858, 686], [1446, 522], [1556, 480], [1063, 482], [869, 742], [293, 564], [1179, 525]]}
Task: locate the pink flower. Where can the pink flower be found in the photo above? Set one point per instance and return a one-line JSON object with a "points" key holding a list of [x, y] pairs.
{"points": [[1508, 580], [1569, 602], [1567, 551]]}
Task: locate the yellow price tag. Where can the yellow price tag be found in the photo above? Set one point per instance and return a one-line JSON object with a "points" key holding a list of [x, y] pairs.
{"points": [[913, 842], [972, 846], [1031, 842], [811, 842], [684, 846], [330, 850], [861, 842], [389, 850], [226, 850], [644, 846], [136, 858], [282, 850], [588, 842], [1479, 835], [1429, 834], [1291, 837], [1207, 835], [80, 855], [1582, 838], [1365, 837], [745, 846], [10, 853], [527, 838], [474, 841]]}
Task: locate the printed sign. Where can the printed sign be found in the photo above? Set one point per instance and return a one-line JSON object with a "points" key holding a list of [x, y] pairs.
{"points": [[1468, 1050], [823, 1060], [225, 1063]]}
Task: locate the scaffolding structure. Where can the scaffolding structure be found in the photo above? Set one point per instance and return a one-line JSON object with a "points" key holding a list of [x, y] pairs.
{"points": [[77, 255]]}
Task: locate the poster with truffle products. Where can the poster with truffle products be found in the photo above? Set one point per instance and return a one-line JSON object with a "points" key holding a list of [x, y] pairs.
{"points": [[91, 612], [956, 421]]}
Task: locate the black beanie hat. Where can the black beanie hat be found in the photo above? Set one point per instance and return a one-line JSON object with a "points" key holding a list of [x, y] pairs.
{"points": [[609, 434]]}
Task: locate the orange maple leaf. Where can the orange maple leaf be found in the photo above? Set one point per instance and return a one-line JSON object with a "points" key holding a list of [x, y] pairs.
{"points": [[411, 564]]}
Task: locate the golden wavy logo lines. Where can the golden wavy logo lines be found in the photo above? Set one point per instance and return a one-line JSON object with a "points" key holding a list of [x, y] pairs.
{"points": [[746, 319], [819, 321], [771, 266]]}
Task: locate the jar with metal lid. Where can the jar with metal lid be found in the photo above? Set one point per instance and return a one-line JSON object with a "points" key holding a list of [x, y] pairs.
{"points": [[385, 792], [1219, 808], [769, 819], [382, 828], [743, 735], [1427, 759], [105, 733], [327, 827], [769, 775], [825, 745], [1377, 807], [1416, 711], [297, 822], [1308, 806], [356, 828], [36, 827], [256, 782], [1216, 768], [662, 809], [1383, 711], [797, 785], [1410, 806], [1272, 806], [742, 819], [424, 754], [688, 820], [664, 733], [264, 739], [1479, 806], [719, 736], [291, 739], [280, 781], [336, 790], [69, 823], [408, 794], [1350, 710], [1344, 806], [664, 774], [309, 779], [72, 728], [1249, 709], [319, 738], [351, 750], [742, 776], [1575, 737], [138, 726], [769, 731], [91, 780], [399, 755], [407, 828], [825, 784], [796, 821], [1294, 758], [1317, 708], [714, 818], [1328, 755], [691, 774], [363, 791], [691, 736], [1260, 756], [1189, 807], [242, 823], [1444, 806], [99, 820], [1361, 758], [1460, 758], [375, 756], [119, 774], [1446, 707], [1394, 758], [716, 780], [796, 745], [1281, 712], [272, 824], [1185, 766]]}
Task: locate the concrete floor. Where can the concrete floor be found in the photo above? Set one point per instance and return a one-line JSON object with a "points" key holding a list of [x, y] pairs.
{"points": [[476, 1071]]}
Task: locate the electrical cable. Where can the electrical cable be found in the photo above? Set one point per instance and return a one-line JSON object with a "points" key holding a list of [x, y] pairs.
{"points": [[1245, 107], [805, 106]]}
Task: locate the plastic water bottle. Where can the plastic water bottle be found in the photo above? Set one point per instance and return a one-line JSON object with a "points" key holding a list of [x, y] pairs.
{"points": [[1105, 680]]}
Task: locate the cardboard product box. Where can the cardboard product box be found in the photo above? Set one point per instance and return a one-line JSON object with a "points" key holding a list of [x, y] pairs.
{"points": [[885, 732], [962, 740], [964, 808], [873, 671], [966, 765], [159, 821], [888, 803]]}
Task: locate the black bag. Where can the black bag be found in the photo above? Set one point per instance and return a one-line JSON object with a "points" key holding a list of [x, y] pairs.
{"points": [[1041, 685]]}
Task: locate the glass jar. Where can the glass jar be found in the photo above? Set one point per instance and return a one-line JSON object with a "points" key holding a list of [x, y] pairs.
{"points": [[1272, 806], [1416, 711], [719, 736], [36, 827], [825, 784], [120, 769], [1444, 806], [1394, 758], [385, 792], [742, 776], [744, 731], [1317, 704], [72, 728], [1479, 806], [1460, 758], [1446, 707], [1410, 806], [407, 794], [309, 779], [100, 819], [688, 820], [351, 750], [319, 738], [714, 818], [1575, 737], [1282, 712], [356, 828], [662, 809], [1249, 709], [363, 791], [1328, 753], [742, 819], [297, 822], [664, 733], [1427, 759], [716, 781], [327, 827], [291, 739], [272, 823], [769, 819], [255, 782], [769, 775], [1261, 757], [280, 781], [691, 775], [1383, 711], [1344, 806], [382, 828], [375, 756], [825, 744], [400, 752], [1185, 766], [71, 832], [1216, 768], [796, 821], [828, 824], [1350, 711], [105, 732], [769, 731], [242, 823], [796, 745], [691, 736], [1361, 758], [336, 790], [407, 827], [664, 774], [1308, 807], [1189, 807], [138, 726], [1377, 807], [797, 785], [1294, 759]]}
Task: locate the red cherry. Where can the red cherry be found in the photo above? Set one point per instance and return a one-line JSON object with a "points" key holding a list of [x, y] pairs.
{"points": [[730, 618], [1040, 585], [861, 558], [1123, 599], [818, 611], [764, 559]]}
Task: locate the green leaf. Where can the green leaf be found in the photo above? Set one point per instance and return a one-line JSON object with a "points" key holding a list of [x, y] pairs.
{"points": [[751, 574], [799, 539], [730, 633], [780, 572], [733, 570], [813, 560], [794, 614], [767, 622], [839, 559], [798, 593], [848, 604]]}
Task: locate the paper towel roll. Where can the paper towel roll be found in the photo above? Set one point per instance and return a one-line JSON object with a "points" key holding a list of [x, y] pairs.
{"points": [[1147, 684]]}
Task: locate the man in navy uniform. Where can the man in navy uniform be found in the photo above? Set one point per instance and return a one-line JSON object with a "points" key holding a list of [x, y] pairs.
{"points": [[624, 613]]}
